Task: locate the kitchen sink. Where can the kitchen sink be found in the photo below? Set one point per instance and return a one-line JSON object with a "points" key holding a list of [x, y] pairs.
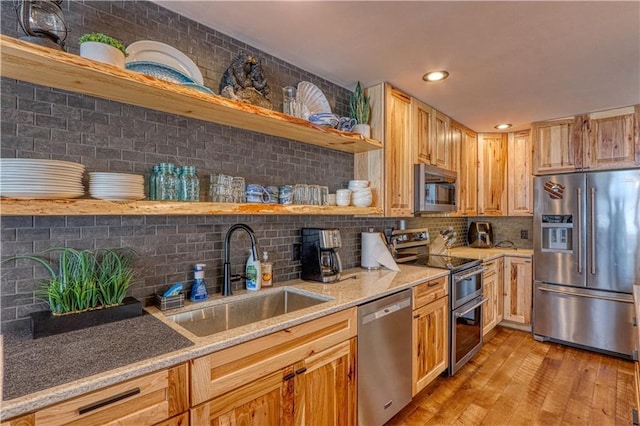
{"points": [[246, 310]]}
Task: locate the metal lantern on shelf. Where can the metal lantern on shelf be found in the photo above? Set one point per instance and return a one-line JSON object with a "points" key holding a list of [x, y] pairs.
{"points": [[42, 22]]}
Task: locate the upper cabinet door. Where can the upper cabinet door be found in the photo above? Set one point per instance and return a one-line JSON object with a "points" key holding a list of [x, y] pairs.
{"points": [[467, 185], [492, 174], [423, 132], [519, 177], [456, 135], [613, 140], [557, 145], [398, 154], [442, 151]]}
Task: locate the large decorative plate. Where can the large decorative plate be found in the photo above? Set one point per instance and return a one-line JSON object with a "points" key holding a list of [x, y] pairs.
{"points": [[160, 71], [311, 99], [154, 51]]}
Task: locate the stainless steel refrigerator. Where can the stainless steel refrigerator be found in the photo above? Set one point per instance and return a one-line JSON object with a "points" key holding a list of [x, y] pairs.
{"points": [[586, 259]]}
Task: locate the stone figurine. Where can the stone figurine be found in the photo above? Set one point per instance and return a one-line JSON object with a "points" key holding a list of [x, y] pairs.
{"points": [[244, 81]]}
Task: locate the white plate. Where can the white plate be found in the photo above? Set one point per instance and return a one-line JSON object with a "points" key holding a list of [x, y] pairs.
{"points": [[43, 195], [41, 187], [154, 51], [311, 99], [117, 197], [31, 180], [21, 163]]}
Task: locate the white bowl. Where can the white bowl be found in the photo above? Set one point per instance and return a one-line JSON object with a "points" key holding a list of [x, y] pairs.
{"points": [[358, 184], [362, 202]]}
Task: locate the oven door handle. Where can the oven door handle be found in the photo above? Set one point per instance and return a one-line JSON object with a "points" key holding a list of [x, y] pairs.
{"points": [[481, 302], [477, 271]]}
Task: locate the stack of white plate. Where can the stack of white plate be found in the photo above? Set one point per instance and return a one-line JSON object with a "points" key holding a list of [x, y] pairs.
{"points": [[116, 186], [28, 178]]}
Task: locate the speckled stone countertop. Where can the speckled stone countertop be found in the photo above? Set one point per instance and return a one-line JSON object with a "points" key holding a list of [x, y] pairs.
{"points": [[357, 287], [486, 254]]}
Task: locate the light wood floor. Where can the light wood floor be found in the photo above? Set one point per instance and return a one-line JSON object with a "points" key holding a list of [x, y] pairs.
{"points": [[516, 380]]}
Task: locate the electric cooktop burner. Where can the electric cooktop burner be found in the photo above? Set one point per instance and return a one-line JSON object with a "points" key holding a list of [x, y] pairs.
{"points": [[451, 263]]}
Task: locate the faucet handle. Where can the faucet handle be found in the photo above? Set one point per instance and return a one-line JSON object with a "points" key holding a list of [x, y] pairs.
{"points": [[237, 277]]}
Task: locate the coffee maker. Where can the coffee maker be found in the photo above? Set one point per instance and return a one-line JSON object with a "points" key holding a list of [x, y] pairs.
{"points": [[320, 258]]}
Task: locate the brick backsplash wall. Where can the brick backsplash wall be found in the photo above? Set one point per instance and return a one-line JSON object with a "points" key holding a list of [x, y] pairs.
{"points": [[39, 122]]}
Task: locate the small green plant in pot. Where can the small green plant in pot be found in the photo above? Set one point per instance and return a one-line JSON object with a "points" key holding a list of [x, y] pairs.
{"points": [[83, 282], [360, 109], [103, 48]]}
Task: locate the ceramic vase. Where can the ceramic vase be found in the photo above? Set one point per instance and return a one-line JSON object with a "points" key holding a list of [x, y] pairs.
{"points": [[102, 52], [363, 129]]}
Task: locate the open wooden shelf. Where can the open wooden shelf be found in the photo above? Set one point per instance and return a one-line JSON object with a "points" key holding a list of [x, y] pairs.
{"points": [[40, 65], [91, 207]]}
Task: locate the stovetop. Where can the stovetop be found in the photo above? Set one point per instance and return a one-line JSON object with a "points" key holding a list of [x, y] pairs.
{"points": [[454, 264]]}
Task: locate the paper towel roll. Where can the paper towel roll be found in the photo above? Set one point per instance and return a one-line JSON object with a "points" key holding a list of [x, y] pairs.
{"points": [[375, 252]]}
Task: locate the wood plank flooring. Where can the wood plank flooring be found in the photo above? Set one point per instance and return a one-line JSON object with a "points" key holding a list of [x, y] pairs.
{"points": [[515, 380]]}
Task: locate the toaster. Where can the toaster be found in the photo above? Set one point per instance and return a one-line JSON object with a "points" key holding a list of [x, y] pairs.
{"points": [[480, 235]]}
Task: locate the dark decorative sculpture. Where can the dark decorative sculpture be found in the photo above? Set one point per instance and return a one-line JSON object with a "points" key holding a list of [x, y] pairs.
{"points": [[244, 81]]}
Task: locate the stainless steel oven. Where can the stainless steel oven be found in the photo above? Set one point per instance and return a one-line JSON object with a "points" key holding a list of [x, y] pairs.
{"points": [[466, 285]]}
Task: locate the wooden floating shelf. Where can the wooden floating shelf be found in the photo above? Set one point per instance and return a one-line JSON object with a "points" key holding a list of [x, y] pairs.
{"points": [[40, 65], [91, 207]]}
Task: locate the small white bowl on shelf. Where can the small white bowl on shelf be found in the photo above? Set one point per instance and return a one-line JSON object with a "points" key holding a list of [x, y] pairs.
{"points": [[354, 185]]}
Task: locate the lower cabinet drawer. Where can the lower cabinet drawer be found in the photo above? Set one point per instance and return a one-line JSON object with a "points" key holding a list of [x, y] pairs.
{"points": [[430, 291], [147, 400]]}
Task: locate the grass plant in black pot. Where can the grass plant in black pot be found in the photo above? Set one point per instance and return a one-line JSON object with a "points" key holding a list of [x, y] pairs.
{"points": [[85, 288]]}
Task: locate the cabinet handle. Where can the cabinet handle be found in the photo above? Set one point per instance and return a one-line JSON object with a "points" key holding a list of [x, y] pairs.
{"points": [[289, 376], [110, 400], [433, 283], [301, 370], [416, 316]]}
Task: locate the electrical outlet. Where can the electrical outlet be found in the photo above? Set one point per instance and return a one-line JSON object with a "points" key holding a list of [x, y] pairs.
{"points": [[295, 252], [524, 234]]}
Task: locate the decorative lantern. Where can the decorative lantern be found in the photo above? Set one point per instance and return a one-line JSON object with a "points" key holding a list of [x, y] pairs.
{"points": [[42, 22]]}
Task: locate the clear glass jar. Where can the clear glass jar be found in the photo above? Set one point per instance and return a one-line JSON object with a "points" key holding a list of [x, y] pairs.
{"points": [[167, 183], [153, 180], [188, 184]]}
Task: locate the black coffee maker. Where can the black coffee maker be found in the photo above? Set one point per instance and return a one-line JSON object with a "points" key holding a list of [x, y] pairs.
{"points": [[320, 258]]}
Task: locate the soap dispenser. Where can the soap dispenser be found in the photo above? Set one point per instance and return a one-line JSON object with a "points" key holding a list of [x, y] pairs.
{"points": [[199, 287], [253, 273]]}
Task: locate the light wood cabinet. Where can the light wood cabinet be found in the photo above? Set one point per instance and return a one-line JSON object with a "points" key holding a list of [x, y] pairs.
{"points": [[422, 130], [319, 390], [518, 273], [519, 174], [613, 140], [492, 279], [557, 145], [605, 140], [456, 136], [147, 400], [281, 378], [492, 174], [390, 171], [441, 141], [430, 332], [467, 188]]}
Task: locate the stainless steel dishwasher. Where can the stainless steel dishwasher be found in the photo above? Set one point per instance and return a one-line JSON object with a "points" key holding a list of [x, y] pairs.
{"points": [[384, 358]]}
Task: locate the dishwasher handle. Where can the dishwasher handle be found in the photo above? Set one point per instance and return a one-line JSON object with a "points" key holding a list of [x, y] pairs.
{"points": [[386, 310]]}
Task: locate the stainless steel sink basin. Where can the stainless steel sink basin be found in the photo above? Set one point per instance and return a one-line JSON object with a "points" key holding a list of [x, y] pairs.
{"points": [[246, 310]]}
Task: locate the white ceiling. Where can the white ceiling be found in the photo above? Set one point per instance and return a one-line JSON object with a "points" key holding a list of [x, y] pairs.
{"points": [[514, 62]]}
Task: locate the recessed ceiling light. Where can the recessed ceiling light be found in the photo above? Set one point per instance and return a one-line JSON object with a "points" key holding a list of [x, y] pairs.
{"points": [[502, 126], [435, 76]]}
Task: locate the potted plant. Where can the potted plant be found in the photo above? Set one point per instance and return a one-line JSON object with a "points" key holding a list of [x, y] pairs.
{"points": [[360, 110], [85, 288], [103, 48]]}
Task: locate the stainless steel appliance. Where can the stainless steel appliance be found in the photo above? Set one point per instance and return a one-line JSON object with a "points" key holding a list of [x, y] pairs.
{"points": [[587, 257], [480, 235], [320, 259], [384, 358], [465, 291], [435, 189]]}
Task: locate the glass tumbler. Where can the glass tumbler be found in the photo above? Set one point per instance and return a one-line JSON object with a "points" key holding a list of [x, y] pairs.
{"points": [[301, 194], [289, 102]]}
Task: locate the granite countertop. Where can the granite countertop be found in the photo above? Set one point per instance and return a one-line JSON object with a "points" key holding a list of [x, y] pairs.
{"points": [[41, 372], [486, 254]]}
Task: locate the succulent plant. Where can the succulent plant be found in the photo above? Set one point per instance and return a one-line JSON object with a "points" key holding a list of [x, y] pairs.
{"points": [[103, 38], [359, 105]]}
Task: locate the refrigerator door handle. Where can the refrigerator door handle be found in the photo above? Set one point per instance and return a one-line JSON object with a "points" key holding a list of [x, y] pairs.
{"points": [[592, 237], [590, 296], [579, 230]]}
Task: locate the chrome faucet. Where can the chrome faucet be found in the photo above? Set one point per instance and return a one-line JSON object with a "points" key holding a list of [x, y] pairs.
{"points": [[226, 284]]}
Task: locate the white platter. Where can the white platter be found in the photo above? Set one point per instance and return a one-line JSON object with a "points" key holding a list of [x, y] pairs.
{"points": [[40, 164], [154, 51], [311, 99], [117, 197]]}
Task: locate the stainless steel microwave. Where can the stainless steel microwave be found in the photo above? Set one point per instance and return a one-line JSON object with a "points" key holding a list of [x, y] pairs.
{"points": [[435, 189]]}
